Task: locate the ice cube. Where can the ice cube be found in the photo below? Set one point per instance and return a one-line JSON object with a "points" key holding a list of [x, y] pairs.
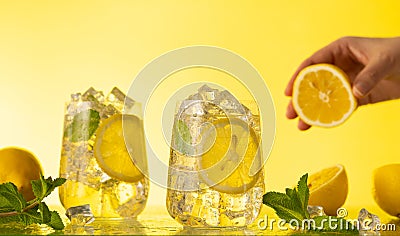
{"points": [[75, 107], [104, 177], [190, 108], [368, 223], [211, 198], [94, 98], [118, 99], [93, 94], [127, 199], [315, 211], [92, 174], [226, 100], [195, 96], [207, 93], [214, 102], [108, 111], [76, 97], [80, 215], [182, 179]]}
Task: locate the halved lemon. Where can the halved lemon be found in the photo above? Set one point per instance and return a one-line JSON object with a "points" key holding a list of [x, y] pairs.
{"points": [[232, 162], [328, 188], [322, 95], [20, 167], [111, 152], [386, 185]]}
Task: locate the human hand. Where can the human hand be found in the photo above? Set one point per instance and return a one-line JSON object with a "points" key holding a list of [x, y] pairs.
{"points": [[372, 64]]}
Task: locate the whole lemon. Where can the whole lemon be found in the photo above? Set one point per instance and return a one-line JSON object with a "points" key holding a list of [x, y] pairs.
{"points": [[386, 188], [328, 188], [19, 167]]}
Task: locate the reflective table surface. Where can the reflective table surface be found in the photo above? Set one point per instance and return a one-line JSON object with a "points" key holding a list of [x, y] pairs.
{"points": [[156, 221]]}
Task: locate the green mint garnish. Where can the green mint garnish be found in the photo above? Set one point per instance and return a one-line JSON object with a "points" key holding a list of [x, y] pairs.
{"points": [[14, 208], [291, 206], [182, 137], [83, 125]]}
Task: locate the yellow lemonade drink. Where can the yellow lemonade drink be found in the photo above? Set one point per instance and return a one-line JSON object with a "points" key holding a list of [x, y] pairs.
{"points": [[215, 174], [95, 159]]}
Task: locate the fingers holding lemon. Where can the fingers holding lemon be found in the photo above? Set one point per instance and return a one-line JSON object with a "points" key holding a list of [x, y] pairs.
{"points": [[20, 167]]}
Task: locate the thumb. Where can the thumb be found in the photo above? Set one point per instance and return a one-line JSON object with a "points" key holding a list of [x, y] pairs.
{"points": [[367, 79]]}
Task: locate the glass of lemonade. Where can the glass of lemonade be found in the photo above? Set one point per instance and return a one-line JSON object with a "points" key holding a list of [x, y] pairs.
{"points": [[215, 176], [103, 168]]}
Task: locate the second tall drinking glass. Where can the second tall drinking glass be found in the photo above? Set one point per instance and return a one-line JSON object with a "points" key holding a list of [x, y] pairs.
{"points": [[215, 174]]}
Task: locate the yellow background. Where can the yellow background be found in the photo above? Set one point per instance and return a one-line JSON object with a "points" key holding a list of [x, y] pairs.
{"points": [[50, 49]]}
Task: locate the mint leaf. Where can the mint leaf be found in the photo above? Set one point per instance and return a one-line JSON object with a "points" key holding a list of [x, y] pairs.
{"points": [[11, 197], [43, 187], [55, 221], [52, 184], [182, 137], [295, 199], [83, 126], [303, 194], [57, 182], [31, 216], [37, 188], [9, 219], [283, 205], [5, 205], [44, 213], [14, 208]]}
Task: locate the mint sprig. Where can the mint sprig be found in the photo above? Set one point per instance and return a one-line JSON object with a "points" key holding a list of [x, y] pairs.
{"points": [[291, 206], [14, 208]]}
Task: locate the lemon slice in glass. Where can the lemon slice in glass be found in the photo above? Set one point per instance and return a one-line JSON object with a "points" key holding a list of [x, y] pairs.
{"points": [[232, 161], [110, 149]]}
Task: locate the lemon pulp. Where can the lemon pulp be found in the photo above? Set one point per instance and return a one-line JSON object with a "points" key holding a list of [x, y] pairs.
{"points": [[322, 95], [111, 152], [232, 163], [328, 188]]}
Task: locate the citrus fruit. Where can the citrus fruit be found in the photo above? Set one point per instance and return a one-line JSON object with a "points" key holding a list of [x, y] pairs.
{"points": [[232, 160], [322, 95], [20, 167], [386, 185], [111, 152], [328, 188]]}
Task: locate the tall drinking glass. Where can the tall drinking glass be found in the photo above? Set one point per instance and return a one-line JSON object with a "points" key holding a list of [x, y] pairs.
{"points": [[215, 174], [102, 168]]}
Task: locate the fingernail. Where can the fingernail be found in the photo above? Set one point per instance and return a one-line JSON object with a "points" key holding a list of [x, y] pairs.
{"points": [[359, 90]]}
